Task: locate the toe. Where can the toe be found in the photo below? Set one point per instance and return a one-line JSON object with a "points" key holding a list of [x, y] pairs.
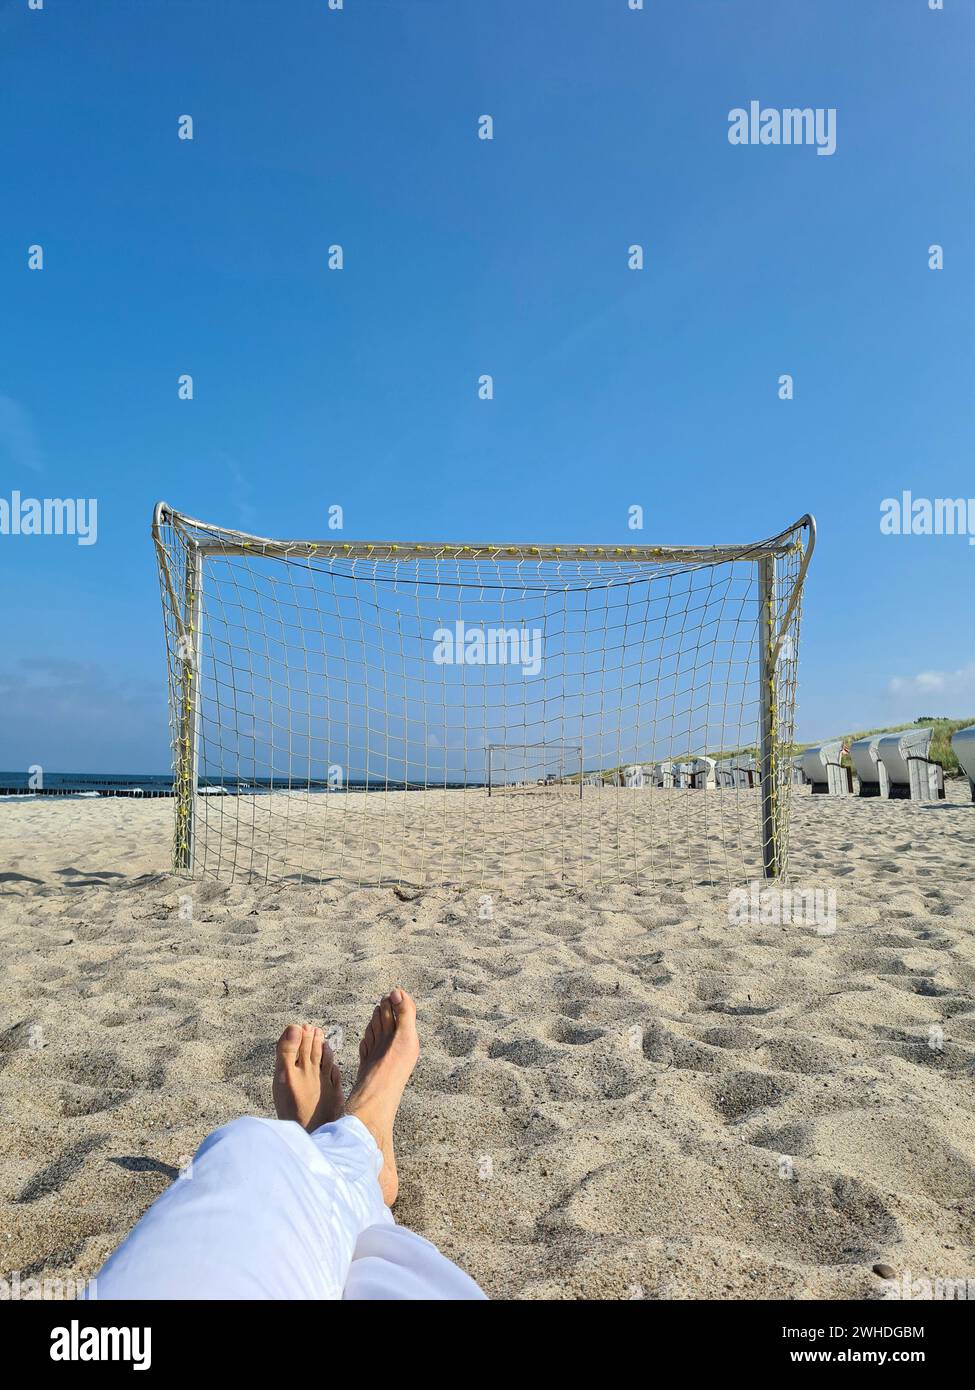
{"points": [[403, 1006], [317, 1048], [386, 1014], [376, 1024], [304, 1047], [288, 1045], [335, 1077]]}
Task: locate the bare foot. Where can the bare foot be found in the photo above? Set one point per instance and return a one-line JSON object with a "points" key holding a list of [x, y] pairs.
{"points": [[387, 1055], [307, 1086]]}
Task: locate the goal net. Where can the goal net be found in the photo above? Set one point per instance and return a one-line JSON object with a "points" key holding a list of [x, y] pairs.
{"points": [[479, 715]]}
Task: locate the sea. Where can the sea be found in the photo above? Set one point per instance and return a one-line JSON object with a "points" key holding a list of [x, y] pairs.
{"points": [[17, 786]]}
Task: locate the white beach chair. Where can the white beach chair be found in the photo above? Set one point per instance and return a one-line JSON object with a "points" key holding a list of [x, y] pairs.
{"points": [[963, 742], [738, 773], [794, 771], [701, 773], [822, 767], [912, 773], [735, 772], [724, 773], [870, 769]]}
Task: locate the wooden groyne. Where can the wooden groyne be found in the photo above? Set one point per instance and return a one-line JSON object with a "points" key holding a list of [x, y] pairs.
{"points": [[139, 793]]}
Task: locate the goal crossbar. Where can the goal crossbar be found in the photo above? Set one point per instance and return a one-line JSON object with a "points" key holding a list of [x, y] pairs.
{"points": [[220, 540]]}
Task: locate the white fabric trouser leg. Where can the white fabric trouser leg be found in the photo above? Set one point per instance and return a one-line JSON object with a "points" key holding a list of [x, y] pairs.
{"points": [[393, 1262], [268, 1211]]}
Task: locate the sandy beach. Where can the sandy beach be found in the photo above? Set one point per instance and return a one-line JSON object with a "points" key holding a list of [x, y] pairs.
{"points": [[620, 1094]]}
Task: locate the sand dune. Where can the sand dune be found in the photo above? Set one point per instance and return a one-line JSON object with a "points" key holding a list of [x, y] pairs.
{"points": [[620, 1094]]}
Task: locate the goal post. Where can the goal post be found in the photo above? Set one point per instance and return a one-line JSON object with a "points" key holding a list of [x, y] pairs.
{"points": [[182, 607], [768, 713], [337, 708]]}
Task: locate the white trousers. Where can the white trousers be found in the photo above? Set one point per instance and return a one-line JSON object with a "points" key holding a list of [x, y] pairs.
{"points": [[268, 1211]]}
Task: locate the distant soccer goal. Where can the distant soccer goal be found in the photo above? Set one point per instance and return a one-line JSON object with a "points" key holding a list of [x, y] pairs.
{"points": [[528, 767], [480, 715]]}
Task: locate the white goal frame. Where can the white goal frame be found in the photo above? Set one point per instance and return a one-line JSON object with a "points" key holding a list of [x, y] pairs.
{"points": [[493, 748], [198, 543]]}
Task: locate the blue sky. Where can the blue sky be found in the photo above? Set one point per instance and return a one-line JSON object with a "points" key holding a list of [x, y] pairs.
{"points": [[463, 257]]}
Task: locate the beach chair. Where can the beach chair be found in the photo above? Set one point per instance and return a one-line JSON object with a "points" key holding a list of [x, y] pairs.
{"points": [[725, 774], [790, 770], [701, 773], [963, 742], [870, 769], [912, 773], [824, 770], [741, 772]]}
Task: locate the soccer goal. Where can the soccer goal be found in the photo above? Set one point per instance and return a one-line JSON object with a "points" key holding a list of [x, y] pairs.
{"points": [[528, 767], [480, 715]]}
